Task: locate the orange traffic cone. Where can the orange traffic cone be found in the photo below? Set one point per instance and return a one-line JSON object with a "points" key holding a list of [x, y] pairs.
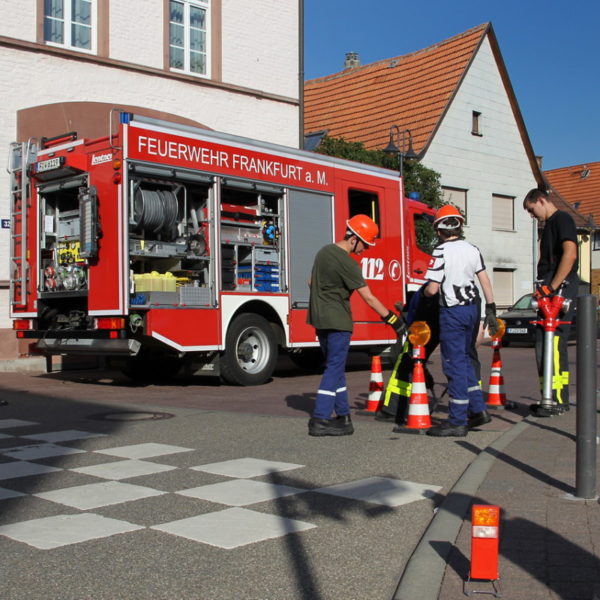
{"points": [[496, 396], [375, 388], [419, 420]]}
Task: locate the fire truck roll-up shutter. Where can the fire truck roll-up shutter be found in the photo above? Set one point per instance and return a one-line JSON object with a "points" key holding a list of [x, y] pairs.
{"points": [[67, 184], [252, 186], [311, 228], [170, 173]]}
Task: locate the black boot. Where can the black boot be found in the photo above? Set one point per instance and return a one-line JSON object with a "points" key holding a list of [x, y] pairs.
{"points": [[446, 429], [322, 427], [345, 422], [478, 419], [554, 410]]}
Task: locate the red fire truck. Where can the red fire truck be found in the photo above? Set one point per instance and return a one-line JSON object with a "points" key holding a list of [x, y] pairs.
{"points": [[168, 245]]}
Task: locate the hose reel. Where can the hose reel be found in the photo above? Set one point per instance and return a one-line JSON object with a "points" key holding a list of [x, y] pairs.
{"points": [[154, 210]]}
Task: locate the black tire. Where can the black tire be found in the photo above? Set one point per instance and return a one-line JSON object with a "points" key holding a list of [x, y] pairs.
{"points": [[505, 343], [309, 359], [250, 351], [152, 365]]}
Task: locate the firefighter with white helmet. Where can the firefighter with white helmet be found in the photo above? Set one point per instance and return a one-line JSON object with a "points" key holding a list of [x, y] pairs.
{"points": [[335, 276], [452, 270]]}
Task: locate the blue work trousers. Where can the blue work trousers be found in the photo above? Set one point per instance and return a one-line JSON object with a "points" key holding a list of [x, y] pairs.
{"points": [[457, 326], [333, 394]]}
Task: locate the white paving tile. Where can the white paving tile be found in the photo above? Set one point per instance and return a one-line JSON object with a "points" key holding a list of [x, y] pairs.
{"points": [[5, 494], [62, 530], [382, 490], [143, 450], [63, 436], [36, 451], [233, 527], [7, 423], [246, 467], [123, 469], [23, 469], [95, 495], [240, 492]]}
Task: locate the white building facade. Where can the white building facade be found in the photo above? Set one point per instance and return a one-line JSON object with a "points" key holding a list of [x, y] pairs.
{"points": [[485, 170], [229, 65]]}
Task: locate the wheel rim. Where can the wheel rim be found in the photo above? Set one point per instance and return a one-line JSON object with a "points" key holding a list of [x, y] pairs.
{"points": [[253, 350]]}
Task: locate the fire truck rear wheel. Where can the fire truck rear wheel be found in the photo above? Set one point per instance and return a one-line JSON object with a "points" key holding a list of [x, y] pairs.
{"points": [[250, 351]]}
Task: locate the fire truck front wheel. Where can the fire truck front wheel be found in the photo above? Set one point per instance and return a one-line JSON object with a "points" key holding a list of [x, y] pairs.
{"points": [[250, 351]]}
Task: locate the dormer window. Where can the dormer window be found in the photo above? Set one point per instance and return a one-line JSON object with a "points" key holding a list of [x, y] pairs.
{"points": [[476, 123]]}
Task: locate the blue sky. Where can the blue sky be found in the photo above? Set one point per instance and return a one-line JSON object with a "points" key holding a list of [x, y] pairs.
{"points": [[551, 50]]}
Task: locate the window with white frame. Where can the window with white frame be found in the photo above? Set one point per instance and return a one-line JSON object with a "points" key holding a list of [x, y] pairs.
{"points": [[596, 240], [456, 196], [503, 212], [189, 35], [70, 24]]}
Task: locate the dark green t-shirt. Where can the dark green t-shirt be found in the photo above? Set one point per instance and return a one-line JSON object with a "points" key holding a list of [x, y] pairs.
{"points": [[335, 275]]}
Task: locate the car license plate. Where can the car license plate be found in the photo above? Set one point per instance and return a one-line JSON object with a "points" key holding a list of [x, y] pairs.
{"points": [[516, 330]]}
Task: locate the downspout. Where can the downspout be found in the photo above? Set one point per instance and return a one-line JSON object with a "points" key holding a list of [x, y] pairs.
{"points": [[301, 73]]}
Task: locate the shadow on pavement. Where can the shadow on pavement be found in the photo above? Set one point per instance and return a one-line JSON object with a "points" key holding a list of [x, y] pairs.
{"points": [[307, 506], [536, 473]]}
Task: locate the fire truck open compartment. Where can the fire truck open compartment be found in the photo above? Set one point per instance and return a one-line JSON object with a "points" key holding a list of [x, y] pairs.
{"points": [[180, 245], [171, 255], [63, 270]]}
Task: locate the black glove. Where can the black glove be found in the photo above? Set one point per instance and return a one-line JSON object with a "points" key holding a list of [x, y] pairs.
{"points": [[395, 321], [491, 322], [544, 291]]}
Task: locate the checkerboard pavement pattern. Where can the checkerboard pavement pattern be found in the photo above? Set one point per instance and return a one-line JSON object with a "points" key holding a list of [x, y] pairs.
{"points": [[231, 524]]}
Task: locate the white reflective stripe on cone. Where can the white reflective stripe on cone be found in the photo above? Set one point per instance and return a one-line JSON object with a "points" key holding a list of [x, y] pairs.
{"points": [[419, 409]]}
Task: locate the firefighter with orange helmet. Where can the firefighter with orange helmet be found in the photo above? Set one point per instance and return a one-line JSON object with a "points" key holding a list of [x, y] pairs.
{"points": [[335, 276], [454, 265]]}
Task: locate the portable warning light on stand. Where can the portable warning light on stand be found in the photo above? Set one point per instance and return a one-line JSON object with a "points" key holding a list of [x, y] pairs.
{"points": [[496, 395], [485, 539], [551, 307], [418, 418], [419, 334]]}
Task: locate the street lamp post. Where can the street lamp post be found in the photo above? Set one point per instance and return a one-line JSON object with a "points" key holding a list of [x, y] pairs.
{"points": [[396, 149]]}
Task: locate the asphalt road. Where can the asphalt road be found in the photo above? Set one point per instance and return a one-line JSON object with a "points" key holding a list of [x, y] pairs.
{"points": [[174, 522]]}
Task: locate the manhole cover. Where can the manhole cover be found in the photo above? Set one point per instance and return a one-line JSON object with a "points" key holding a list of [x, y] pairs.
{"points": [[131, 416]]}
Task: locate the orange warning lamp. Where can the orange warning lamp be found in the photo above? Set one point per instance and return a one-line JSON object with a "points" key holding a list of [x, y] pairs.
{"points": [[485, 527], [419, 333], [501, 330]]}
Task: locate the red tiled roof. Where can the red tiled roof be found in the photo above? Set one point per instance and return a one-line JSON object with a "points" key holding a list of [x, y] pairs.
{"points": [[581, 220], [579, 184], [412, 91], [361, 103]]}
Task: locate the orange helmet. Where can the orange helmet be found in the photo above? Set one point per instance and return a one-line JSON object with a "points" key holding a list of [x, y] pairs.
{"points": [[364, 228], [448, 211]]}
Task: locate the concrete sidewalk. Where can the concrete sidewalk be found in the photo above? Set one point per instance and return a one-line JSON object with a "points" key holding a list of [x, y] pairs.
{"points": [[549, 540]]}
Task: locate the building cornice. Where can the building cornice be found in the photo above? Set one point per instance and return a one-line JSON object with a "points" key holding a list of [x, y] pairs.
{"points": [[24, 46]]}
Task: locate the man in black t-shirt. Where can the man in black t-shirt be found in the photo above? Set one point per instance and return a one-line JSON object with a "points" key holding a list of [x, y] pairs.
{"points": [[557, 264]]}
